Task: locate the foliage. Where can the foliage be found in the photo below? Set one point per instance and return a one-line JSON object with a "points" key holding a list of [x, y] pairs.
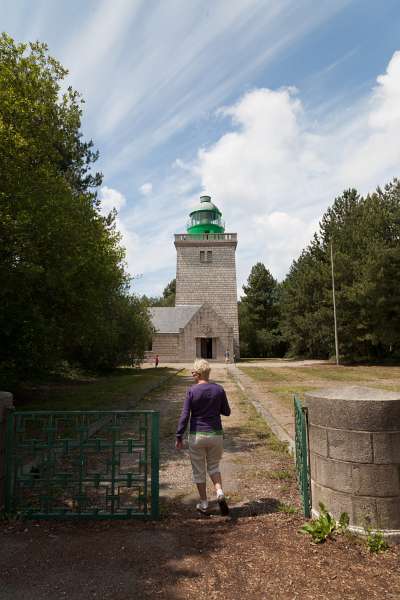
{"points": [[64, 293], [376, 542], [260, 335], [169, 293], [167, 298], [375, 539], [288, 509], [365, 234], [325, 525]]}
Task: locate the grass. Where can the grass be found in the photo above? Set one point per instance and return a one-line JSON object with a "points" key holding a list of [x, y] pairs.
{"points": [[285, 381], [120, 389], [288, 509], [281, 474], [256, 425]]}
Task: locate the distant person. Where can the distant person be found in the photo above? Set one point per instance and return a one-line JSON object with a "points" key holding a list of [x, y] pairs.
{"points": [[227, 355], [204, 404], [156, 360]]}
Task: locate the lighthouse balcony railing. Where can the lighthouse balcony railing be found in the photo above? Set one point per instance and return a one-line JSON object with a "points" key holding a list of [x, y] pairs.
{"points": [[217, 237]]}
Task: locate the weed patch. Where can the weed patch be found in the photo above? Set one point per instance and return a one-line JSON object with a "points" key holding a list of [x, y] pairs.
{"points": [[288, 509], [325, 525], [376, 542], [282, 474]]}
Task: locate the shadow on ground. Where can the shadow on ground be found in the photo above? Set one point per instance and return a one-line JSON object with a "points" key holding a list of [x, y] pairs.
{"points": [[118, 560]]}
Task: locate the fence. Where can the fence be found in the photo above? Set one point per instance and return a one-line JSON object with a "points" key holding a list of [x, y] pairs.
{"points": [[82, 464]]}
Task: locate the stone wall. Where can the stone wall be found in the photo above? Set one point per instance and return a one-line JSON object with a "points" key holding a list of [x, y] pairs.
{"points": [[212, 281], [6, 402], [354, 436], [206, 323], [166, 345], [181, 347]]}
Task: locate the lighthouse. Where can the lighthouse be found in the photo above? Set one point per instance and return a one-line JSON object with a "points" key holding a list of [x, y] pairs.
{"points": [[204, 321]]}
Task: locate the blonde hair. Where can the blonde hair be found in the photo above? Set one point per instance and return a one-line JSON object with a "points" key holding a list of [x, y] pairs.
{"points": [[202, 367]]}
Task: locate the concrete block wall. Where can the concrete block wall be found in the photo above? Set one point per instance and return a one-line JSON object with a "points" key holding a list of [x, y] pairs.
{"points": [[166, 345], [206, 320], [6, 403], [212, 281], [354, 439]]}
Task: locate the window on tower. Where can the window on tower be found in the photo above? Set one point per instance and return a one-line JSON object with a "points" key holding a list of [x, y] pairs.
{"points": [[205, 256]]}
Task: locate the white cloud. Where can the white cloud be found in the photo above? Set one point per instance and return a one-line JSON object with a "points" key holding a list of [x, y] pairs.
{"points": [[273, 173], [111, 199], [276, 171], [95, 48], [160, 88], [146, 189]]}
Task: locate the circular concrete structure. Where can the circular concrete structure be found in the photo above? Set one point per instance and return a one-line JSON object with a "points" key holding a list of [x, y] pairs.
{"points": [[354, 438]]}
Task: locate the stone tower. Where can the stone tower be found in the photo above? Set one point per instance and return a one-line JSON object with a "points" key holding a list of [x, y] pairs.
{"points": [[206, 274]]}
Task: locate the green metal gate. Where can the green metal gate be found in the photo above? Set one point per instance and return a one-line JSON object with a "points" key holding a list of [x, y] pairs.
{"points": [[302, 457], [83, 464]]}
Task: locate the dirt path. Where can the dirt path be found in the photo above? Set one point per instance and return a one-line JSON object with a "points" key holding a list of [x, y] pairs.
{"points": [[257, 553]]}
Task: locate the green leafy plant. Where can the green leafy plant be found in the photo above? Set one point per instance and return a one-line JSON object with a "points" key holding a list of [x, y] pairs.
{"points": [[344, 521], [325, 525], [376, 541]]}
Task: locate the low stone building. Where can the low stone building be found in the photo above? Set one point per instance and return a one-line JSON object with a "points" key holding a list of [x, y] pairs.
{"points": [[204, 321]]}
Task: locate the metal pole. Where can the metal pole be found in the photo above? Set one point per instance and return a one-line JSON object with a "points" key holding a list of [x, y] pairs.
{"points": [[9, 461], [334, 308], [155, 450]]}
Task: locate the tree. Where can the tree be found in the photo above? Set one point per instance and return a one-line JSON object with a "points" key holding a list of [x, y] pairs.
{"points": [[169, 293], [64, 292], [167, 298], [259, 315], [365, 234]]}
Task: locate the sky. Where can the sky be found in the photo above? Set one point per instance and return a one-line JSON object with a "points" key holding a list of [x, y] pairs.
{"points": [[271, 107]]}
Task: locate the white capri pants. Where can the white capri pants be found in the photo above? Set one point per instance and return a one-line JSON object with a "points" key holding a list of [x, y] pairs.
{"points": [[205, 450]]}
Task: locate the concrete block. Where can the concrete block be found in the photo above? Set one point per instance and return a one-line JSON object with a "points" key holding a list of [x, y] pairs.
{"points": [[318, 440], [354, 446], [376, 480], [354, 408], [313, 466], [333, 474], [335, 502], [364, 512], [386, 447], [388, 513]]}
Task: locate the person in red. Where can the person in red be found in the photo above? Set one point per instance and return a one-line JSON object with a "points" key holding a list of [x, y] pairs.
{"points": [[204, 404], [156, 360]]}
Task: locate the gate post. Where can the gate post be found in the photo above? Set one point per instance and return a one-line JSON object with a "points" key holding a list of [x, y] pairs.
{"points": [[155, 464], [6, 404], [302, 455], [355, 455]]}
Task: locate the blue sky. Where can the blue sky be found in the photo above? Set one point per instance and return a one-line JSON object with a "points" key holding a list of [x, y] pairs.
{"points": [[271, 107]]}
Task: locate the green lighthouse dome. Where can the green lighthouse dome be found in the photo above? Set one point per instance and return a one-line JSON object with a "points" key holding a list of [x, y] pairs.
{"points": [[205, 218]]}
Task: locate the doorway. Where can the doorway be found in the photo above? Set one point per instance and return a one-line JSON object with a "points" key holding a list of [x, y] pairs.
{"points": [[206, 349]]}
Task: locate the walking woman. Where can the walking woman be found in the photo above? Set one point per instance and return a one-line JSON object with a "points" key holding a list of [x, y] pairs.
{"points": [[204, 404]]}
